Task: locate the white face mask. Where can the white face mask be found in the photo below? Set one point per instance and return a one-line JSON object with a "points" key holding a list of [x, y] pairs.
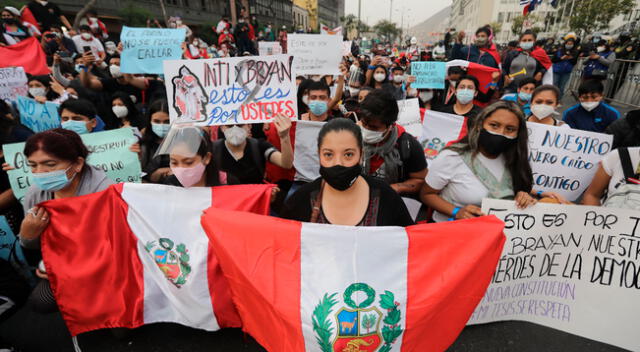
{"points": [[86, 36], [600, 49], [120, 111], [426, 96], [379, 77], [372, 137], [590, 105], [235, 135], [542, 110], [37, 92], [398, 78], [115, 71]]}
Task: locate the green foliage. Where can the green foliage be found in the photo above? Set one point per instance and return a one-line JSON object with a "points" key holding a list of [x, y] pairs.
{"points": [[393, 317], [134, 16], [391, 330], [390, 333], [206, 32], [15, 3], [496, 27], [592, 15], [387, 30], [321, 322], [370, 292], [517, 24], [352, 23], [368, 321], [387, 300]]}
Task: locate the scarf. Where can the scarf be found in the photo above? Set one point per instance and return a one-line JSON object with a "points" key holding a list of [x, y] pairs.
{"points": [[390, 156]]}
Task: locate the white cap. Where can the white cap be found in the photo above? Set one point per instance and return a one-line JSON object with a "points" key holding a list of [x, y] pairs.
{"points": [[12, 9]]}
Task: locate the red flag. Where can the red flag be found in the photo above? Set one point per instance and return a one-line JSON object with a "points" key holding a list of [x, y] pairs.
{"points": [[493, 51], [481, 72], [311, 287], [136, 254], [28, 54], [539, 54], [27, 16]]}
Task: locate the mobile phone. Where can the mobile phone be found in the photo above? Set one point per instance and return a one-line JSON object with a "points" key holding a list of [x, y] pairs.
{"points": [[86, 49], [41, 267]]}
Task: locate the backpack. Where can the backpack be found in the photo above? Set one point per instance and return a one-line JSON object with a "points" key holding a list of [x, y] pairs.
{"points": [[627, 196]]}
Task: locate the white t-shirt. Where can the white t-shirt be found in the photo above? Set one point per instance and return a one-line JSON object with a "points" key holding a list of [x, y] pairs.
{"points": [[94, 44], [613, 167], [449, 173]]}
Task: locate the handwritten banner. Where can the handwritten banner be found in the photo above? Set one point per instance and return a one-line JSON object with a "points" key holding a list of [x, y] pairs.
{"points": [[38, 117], [429, 74], [571, 268], [409, 116], [235, 90], [144, 49], [13, 83], [108, 151], [438, 130], [305, 158], [269, 48], [565, 160], [315, 54]]}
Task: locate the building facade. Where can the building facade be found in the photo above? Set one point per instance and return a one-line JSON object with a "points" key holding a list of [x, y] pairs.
{"points": [[300, 17], [276, 12], [312, 11], [328, 13]]}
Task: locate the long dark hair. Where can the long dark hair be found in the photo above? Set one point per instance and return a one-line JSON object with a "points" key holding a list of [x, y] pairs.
{"points": [[337, 125], [212, 171], [133, 115], [372, 81], [516, 157]]}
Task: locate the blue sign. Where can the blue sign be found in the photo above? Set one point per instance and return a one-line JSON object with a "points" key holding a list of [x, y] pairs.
{"points": [[144, 49], [38, 117], [429, 74], [9, 243]]}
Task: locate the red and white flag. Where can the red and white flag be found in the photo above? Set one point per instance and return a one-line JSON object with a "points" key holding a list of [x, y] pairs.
{"points": [[481, 72], [311, 287], [136, 254], [439, 130]]}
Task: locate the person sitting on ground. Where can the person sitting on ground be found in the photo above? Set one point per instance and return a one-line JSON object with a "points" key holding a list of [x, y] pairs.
{"points": [[523, 96], [592, 114], [466, 91], [544, 102], [342, 196], [617, 180], [389, 152]]}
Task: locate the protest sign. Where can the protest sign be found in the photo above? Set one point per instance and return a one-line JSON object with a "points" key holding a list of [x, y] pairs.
{"points": [[565, 160], [571, 268], [108, 151], [38, 117], [305, 156], [438, 130], [429, 74], [10, 249], [144, 49], [409, 116], [315, 54], [269, 48], [13, 83], [235, 90], [346, 48]]}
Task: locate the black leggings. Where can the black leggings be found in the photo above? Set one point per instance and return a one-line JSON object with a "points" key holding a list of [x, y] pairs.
{"points": [[41, 299]]}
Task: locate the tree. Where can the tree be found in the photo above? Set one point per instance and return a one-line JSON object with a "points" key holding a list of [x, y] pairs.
{"points": [[387, 30], [368, 321], [496, 27], [134, 16], [587, 16], [517, 24], [351, 23]]}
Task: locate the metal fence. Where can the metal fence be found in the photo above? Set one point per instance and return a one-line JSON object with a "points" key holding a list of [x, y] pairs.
{"points": [[622, 85]]}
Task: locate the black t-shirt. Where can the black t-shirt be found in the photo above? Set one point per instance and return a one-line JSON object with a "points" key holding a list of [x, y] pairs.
{"points": [[471, 115], [247, 170], [111, 86], [391, 208], [46, 15]]}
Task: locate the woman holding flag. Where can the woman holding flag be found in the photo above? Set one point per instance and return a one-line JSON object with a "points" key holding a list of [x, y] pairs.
{"points": [[482, 52]]}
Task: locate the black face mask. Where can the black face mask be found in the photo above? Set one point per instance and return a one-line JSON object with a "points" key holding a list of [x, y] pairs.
{"points": [[341, 177], [10, 21], [494, 144]]}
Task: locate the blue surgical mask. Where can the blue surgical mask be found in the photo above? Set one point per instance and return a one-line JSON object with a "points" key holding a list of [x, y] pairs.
{"points": [[526, 45], [79, 127], [465, 96], [52, 181], [524, 96], [318, 107], [160, 129]]}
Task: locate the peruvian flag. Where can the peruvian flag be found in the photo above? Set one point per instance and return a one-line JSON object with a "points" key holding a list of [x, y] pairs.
{"points": [[440, 130], [311, 287], [28, 54], [481, 72], [136, 254], [27, 16]]}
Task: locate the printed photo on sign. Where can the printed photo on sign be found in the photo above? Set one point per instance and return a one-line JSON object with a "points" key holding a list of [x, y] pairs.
{"points": [[108, 151], [239, 90], [438, 130], [565, 160], [409, 116], [315, 54], [429, 75], [13, 83], [144, 49], [569, 267], [269, 48], [38, 117]]}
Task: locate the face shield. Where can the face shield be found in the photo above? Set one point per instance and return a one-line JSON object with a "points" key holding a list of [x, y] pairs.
{"points": [[183, 140]]}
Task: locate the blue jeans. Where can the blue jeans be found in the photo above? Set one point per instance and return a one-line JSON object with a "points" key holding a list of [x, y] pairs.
{"points": [[560, 80]]}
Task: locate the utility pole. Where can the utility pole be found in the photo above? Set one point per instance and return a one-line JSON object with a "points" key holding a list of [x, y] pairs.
{"points": [[232, 9], [359, 18]]}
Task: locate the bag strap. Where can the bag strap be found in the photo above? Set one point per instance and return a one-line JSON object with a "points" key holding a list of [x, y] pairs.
{"points": [[625, 160]]}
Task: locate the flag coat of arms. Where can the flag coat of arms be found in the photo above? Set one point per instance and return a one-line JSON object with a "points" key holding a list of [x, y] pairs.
{"points": [[312, 287], [136, 254]]}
